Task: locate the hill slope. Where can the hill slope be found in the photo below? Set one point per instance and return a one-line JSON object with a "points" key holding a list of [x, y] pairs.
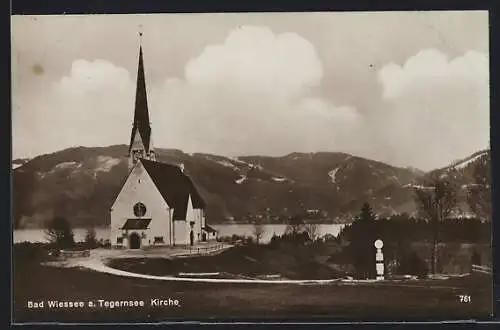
{"points": [[81, 184]]}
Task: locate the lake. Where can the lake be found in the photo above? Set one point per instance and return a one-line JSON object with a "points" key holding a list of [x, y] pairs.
{"points": [[38, 235]]}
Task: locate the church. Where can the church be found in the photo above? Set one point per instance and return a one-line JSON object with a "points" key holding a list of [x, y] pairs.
{"points": [[158, 205]]}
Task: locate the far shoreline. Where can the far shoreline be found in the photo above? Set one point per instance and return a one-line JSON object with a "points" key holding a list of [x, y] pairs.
{"points": [[37, 235]]}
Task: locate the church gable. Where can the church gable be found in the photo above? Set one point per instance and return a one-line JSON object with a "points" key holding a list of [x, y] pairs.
{"points": [[137, 143], [175, 187], [139, 187]]}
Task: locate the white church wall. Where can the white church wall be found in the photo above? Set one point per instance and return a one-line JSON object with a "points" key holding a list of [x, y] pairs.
{"points": [[183, 228], [181, 232], [203, 220], [197, 216], [139, 187], [192, 216]]}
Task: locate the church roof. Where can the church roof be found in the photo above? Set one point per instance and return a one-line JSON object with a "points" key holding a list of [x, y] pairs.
{"points": [[174, 186], [141, 114], [132, 224], [209, 229]]}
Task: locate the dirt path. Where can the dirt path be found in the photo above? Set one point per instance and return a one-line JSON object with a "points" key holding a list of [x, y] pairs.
{"points": [[98, 265], [97, 262]]}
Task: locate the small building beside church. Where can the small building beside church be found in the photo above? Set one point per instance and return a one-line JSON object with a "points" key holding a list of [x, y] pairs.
{"points": [[158, 205]]}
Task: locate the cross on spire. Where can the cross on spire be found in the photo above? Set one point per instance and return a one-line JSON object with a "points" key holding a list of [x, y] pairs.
{"points": [[140, 34], [141, 123]]}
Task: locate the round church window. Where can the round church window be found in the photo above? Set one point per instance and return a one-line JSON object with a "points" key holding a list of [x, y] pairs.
{"points": [[139, 209]]}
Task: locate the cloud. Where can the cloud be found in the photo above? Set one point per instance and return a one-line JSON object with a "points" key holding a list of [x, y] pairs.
{"points": [[250, 94], [257, 92], [255, 59], [95, 76], [436, 108], [91, 106], [253, 93], [429, 69]]}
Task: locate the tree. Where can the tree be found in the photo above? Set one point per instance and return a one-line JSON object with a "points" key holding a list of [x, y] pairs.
{"points": [[312, 231], [91, 238], [295, 226], [361, 243], [258, 231], [367, 216], [435, 203], [411, 264], [479, 193], [329, 238], [60, 233], [475, 258]]}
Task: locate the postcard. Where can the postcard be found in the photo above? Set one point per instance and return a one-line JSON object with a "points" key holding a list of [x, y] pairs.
{"points": [[251, 166]]}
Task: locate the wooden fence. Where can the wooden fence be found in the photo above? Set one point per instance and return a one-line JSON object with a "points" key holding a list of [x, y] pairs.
{"points": [[482, 269], [74, 254], [201, 250]]}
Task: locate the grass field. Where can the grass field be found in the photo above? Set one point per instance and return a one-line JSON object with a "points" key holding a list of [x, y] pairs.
{"points": [[249, 261], [420, 300]]}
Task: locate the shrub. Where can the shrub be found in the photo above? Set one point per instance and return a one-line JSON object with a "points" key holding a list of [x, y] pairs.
{"points": [[91, 238], [60, 234], [412, 264], [476, 258]]}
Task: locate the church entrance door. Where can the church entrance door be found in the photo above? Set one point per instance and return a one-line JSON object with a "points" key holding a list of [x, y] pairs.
{"points": [[135, 241]]}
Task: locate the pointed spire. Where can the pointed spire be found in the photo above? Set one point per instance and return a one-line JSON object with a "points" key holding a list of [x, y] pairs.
{"points": [[141, 114]]}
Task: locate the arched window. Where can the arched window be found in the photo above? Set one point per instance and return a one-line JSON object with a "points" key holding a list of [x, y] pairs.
{"points": [[139, 209]]}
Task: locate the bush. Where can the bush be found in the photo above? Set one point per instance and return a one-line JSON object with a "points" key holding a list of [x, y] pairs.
{"points": [[224, 239], [329, 238], [91, 238], [412, 264], [60, 234], [103, 243], [476, 258]]}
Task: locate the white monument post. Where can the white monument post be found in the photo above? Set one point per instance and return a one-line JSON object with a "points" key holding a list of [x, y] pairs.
{"points": [[379, 259]]}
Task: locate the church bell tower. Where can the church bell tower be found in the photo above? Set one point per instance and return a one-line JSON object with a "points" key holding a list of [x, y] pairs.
{"points": [[141, 145]]}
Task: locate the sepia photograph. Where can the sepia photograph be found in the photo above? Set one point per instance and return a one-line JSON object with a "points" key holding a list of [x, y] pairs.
{"points": [[251, 166]]}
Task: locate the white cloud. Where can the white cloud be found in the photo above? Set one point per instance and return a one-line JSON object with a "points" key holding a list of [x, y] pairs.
{"points": [[429, 69], [98, 75], [92, 106], [437, 108], [255, 59], [251, 94], [255, 94]]}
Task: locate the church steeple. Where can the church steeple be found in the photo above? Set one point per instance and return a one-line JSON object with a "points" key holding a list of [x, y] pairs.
{"points": [[140, 139]]}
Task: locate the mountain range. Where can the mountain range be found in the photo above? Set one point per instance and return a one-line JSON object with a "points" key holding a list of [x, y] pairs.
{"points": [[81, 184]]}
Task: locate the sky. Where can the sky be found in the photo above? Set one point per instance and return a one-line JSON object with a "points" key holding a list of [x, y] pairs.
{"points": [[405, 88]]}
